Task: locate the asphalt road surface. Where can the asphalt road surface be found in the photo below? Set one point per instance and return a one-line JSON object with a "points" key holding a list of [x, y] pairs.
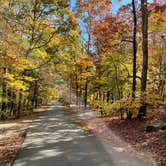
{"points": [[54, 140]]}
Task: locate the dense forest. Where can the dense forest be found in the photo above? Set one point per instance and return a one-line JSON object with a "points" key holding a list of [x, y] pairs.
{"points": [[111, 61]]}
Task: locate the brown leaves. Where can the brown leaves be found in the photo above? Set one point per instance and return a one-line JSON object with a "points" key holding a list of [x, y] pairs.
{"points": [[12, 134], [131, 132], [8, 148]]}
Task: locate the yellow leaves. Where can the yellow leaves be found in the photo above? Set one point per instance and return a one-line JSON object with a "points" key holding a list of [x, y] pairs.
{"points": [[29, 79], [115, 42], [18, 85], [56, 41], [84, 75], [22, 63], [71, 16], [25, 61], [157, 21], [63, 67], [41, 53], [9, 77]]}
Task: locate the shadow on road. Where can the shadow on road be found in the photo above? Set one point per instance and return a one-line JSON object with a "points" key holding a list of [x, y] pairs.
{"points": [[54, 140]]}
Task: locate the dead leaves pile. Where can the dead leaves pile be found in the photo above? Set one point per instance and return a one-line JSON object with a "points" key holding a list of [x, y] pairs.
{"points": [[8, 148], [152, 142]]}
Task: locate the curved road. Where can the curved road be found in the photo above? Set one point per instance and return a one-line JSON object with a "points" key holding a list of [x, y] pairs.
{"points": [[54, 140]]}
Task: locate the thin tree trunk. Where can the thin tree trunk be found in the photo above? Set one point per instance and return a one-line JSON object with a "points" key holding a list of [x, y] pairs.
{"points": [[142, 110], [108, 96], [86, 95], [19, 104], [70, 89], [134, 48], [77, 92], [35, 95], [12, 103], [4, 95], [129, 114]]}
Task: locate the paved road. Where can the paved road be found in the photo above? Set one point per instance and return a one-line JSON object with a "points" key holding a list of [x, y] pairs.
{"points": [[53, 140]]}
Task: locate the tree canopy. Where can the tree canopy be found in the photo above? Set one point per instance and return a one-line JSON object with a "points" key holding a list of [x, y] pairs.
{"points": [[120, 65]]}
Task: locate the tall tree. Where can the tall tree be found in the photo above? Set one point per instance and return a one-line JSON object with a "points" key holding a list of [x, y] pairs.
{"points": [[134, 42], [144, 11]]}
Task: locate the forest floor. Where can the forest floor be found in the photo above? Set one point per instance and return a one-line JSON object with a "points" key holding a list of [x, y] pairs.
{"points": [[132, 137], [149, 142], [12, 134], [130, 134]]}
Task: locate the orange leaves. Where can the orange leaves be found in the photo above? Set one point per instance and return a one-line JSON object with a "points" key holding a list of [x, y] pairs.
{"points": [[85, 62], [106, 33], [84, 68]]}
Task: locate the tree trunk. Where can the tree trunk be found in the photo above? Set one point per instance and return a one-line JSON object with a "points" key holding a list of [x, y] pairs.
{"points": [[4, 95], [85, 95], [108, 96], [12, 103], [77, 88], [19, 104], [142, 110], [35, 95], [134, 48], [70, 89], [129, 114]]}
